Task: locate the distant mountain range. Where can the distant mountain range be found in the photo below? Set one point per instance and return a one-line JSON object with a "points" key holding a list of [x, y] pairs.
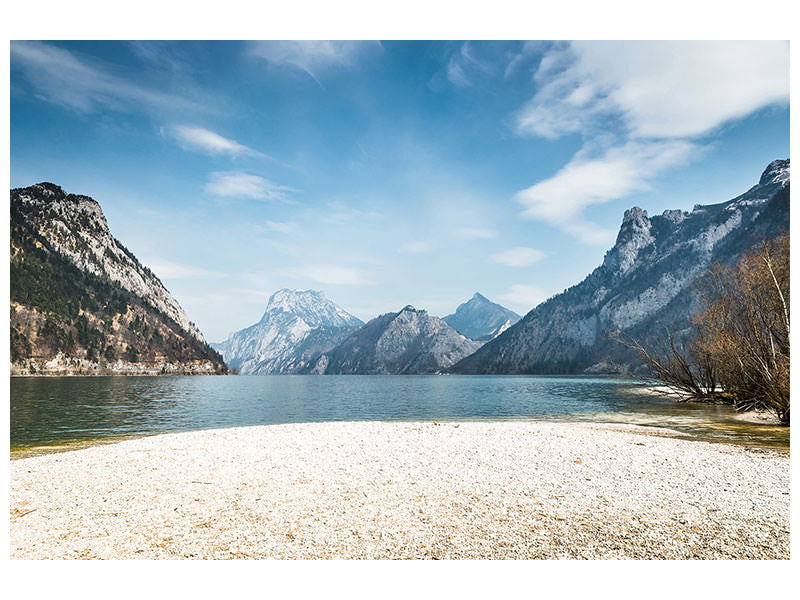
{"points": [[304, 332], [480, 319], [82, 303], [407, 342], [645, 283], [297, 326]]}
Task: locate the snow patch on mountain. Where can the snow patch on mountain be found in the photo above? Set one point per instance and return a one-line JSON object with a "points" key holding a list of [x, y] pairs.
{"points": [[296, 327]]}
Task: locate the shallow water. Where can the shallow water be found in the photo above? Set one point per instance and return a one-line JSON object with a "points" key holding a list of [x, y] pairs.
{"points": [[52, 412]]}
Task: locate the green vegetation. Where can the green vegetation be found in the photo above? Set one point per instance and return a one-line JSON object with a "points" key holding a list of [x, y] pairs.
{"points": [[20, 346], [76, 313]]}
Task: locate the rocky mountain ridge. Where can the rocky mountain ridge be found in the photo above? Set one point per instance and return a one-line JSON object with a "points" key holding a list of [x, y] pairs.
{"points": [[645, 283], [406, 342], [82, 303], [480, 319]]}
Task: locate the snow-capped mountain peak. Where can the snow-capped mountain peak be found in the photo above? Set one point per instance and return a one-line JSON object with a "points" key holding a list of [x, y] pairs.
{"points": [[309, 305], [777, 172], [296, 327]]}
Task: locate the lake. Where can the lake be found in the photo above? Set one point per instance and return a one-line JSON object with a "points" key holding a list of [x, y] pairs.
{"points": [[52, 412]]}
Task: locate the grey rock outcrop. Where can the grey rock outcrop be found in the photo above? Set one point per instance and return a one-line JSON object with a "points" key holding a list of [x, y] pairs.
{"points": [[645, 283], [81, 303], [407, 342], [481, 319]]}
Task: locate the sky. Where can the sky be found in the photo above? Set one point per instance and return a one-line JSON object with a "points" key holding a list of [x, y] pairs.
{"points": [[389, 173]]}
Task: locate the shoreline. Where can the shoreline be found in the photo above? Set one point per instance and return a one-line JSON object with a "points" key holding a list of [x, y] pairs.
{"points": [[489, 489], [665, 429]]}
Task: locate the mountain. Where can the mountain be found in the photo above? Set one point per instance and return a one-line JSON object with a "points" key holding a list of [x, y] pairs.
{"points": [[644, 284], [82, 303], [480, 319], [296, 328], [407, 342]]}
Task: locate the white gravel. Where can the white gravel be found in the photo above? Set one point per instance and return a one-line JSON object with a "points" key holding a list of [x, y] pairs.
{"points": [[512, 489]]}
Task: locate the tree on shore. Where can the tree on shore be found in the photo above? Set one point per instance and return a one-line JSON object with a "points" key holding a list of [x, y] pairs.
{"points": [[738, 352]]}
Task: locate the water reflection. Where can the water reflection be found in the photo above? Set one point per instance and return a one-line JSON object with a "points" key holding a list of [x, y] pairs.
{"points": [[47, 411]]}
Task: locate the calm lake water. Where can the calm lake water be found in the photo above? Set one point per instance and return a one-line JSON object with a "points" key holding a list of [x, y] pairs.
{"points": [[53, 411]]}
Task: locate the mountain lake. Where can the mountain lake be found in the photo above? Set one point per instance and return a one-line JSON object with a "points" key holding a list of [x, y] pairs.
{"points": [[60, 413], [56, 413]]}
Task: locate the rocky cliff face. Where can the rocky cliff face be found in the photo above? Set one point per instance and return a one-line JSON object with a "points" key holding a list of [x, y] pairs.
{"points": [[480, 319], [644, 284], [297, 326], [407, 342], [82, 303]]}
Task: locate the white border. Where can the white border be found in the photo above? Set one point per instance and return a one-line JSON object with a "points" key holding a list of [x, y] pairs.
{"points": [[412, 19]]}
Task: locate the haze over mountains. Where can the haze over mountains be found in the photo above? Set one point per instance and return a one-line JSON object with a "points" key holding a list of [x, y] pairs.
{"points": [[305, 332], [82, 303], [481, 319]]}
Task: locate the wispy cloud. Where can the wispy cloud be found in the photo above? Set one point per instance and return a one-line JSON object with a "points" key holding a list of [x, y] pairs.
{"points": [[523, 298], [474, 233], [418, 247], [339, 212], [517, 59], [278, 227], [331, 275], [61, 77], [518, 257], [464, 63], [237, 184], [585, 181], [209, 142], [171, 57], [313, 57], [655, 89]]}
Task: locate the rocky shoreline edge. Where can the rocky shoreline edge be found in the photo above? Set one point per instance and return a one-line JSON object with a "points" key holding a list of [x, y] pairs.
{"points": [[372, 490]]}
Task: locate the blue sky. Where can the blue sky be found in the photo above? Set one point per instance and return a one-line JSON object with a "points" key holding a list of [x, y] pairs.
{"points": [[389, 173]]}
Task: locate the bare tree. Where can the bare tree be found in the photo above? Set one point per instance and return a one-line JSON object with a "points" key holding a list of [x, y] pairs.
{"points": [[688, 374], [745, 328], [739, 352]]}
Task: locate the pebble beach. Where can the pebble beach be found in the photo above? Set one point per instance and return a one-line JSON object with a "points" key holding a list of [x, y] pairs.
{"points": [[404, 490]]}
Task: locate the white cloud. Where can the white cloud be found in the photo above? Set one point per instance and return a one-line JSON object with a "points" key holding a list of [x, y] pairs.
{"points": [[523, 298], [418, 247], [656, 89], [474, 233], [463, 62], [61, 77], [456, 74], [331, 275], [518, 257], [237, 184], [197, 138], [313, 57], [644, 103], [529, 48], [585, 181]]}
